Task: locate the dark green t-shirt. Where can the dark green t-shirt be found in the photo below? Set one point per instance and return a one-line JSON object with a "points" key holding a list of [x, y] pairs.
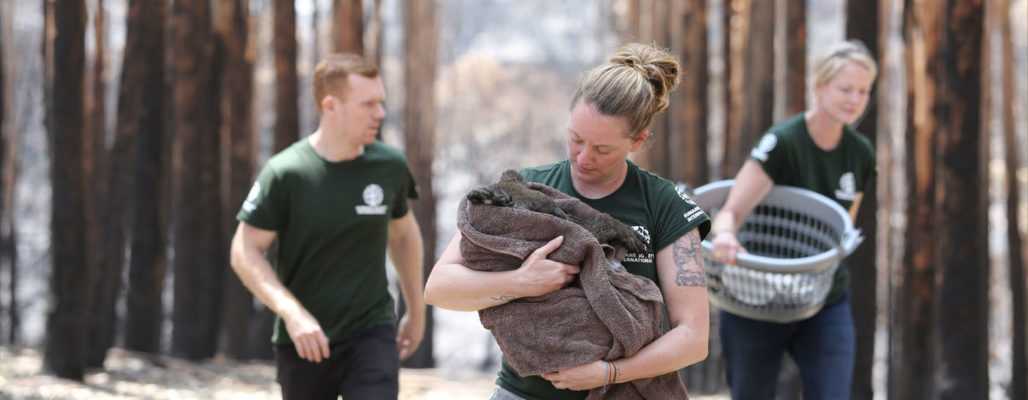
{"points": [[790, 157], [646, 202], [332, 223]]}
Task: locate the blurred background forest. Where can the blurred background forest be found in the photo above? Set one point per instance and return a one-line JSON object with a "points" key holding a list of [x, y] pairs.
{"points": [[132, 129]]}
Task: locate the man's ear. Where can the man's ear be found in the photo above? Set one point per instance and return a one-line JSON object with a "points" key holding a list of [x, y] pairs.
{"points": [[328, 103]]}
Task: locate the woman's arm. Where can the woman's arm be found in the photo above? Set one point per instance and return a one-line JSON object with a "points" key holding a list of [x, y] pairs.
{"points": [[751, 185], [452, 285], [683, 283]]}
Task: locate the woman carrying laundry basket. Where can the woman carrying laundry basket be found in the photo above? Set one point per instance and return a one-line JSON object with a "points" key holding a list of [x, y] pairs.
{"points": [[820, 151]]}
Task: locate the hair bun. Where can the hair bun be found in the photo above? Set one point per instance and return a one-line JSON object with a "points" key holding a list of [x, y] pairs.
{"points": [[656, 65]]}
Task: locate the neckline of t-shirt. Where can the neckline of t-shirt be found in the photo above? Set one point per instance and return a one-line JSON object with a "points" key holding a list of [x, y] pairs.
{"points": [[810, 138], [314, 153], [576, 194]]}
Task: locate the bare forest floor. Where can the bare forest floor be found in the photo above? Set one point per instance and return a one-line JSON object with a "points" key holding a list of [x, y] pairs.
{"points": [[135, 376]]}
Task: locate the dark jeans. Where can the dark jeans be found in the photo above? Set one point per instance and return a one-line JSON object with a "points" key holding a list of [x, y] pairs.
{"points": [[365, 366], [823, 346]]}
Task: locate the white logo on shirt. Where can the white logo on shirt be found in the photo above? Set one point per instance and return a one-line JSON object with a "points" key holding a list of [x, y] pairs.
{"points": [[646, 257], [693, 214], [847, 187], [373, 196], [767, 143], [251, 199], [683, 190], [641, 230]]}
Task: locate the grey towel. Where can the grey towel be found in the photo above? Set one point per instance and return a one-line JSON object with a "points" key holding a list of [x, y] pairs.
{"points": [[608, 314]]}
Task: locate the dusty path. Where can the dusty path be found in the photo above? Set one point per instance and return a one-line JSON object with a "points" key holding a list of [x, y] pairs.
{"points": [[133, 376]]}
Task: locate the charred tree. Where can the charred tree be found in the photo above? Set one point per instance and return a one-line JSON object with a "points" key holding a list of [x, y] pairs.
{"points": [[287, 115], [200, 252], [141, 117], [688, 135], [348, 26], [237, 132], [421, 55], [71, 300]]}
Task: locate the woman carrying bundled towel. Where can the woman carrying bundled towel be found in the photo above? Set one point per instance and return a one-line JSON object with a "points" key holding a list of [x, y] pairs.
{"points": [[610, 117], [820, 151]]}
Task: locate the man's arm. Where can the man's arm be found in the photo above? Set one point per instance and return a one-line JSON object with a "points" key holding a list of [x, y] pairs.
{"points": [[249, 246], [406, 251]]}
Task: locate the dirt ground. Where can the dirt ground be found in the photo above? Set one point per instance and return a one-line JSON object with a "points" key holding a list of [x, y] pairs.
{"points": [[134, 376]]}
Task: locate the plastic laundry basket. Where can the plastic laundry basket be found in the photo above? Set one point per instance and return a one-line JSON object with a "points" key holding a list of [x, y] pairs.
{"points": [[795, 239]]}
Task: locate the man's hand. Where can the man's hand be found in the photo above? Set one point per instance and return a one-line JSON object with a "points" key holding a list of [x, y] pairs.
{"points": [[307, 335], [582, 377], [409, 333], [538, 275]]}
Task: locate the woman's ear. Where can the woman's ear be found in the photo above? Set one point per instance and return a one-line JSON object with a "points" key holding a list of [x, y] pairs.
{"points": [[640, 139]]}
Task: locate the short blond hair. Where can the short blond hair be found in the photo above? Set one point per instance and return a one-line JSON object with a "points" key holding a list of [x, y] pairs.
{"points": [[635, 84], [331, 73], [838, 55]]}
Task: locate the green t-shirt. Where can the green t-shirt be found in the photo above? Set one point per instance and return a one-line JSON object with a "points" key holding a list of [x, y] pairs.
{"points": [[332, 223], [790, 157], [649, 204]]}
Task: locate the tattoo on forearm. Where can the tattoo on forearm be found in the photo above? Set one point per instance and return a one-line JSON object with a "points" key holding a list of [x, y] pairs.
{"points": [[688, 262]]}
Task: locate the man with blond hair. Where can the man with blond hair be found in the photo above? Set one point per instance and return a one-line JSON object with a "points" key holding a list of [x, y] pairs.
{"points": [[335, 201]]}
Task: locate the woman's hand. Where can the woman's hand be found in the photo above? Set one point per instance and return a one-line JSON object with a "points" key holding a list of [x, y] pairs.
{"points": [[726, 247], [582, 377], [538, 275]]}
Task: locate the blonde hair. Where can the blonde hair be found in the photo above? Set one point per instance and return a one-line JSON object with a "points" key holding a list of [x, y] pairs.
{"points": [[635, 84], [840, 54], [331, 73]]}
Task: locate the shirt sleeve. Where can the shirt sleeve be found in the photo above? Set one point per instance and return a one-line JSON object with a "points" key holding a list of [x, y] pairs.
{"points": [[677, 215], [408, 190], [770, 154], [266, 204]]}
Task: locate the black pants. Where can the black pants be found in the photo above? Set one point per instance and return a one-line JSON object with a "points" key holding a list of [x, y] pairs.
{"points": [[364, 366]]}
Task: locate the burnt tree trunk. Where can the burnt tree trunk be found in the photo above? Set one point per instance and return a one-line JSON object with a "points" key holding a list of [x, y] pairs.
{"points": [[735, 24], [1016, 195], [421, 55], [142, 115], [688, 134], [862, 24], [796, 54], [71, 299], [237, 126], [911, 366], [5, 257], [944, 321], [112, 182], [348, 26], [963, 155], [657, 148], [287, 116], [200, 254], [758, 66], [375, 43]]}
